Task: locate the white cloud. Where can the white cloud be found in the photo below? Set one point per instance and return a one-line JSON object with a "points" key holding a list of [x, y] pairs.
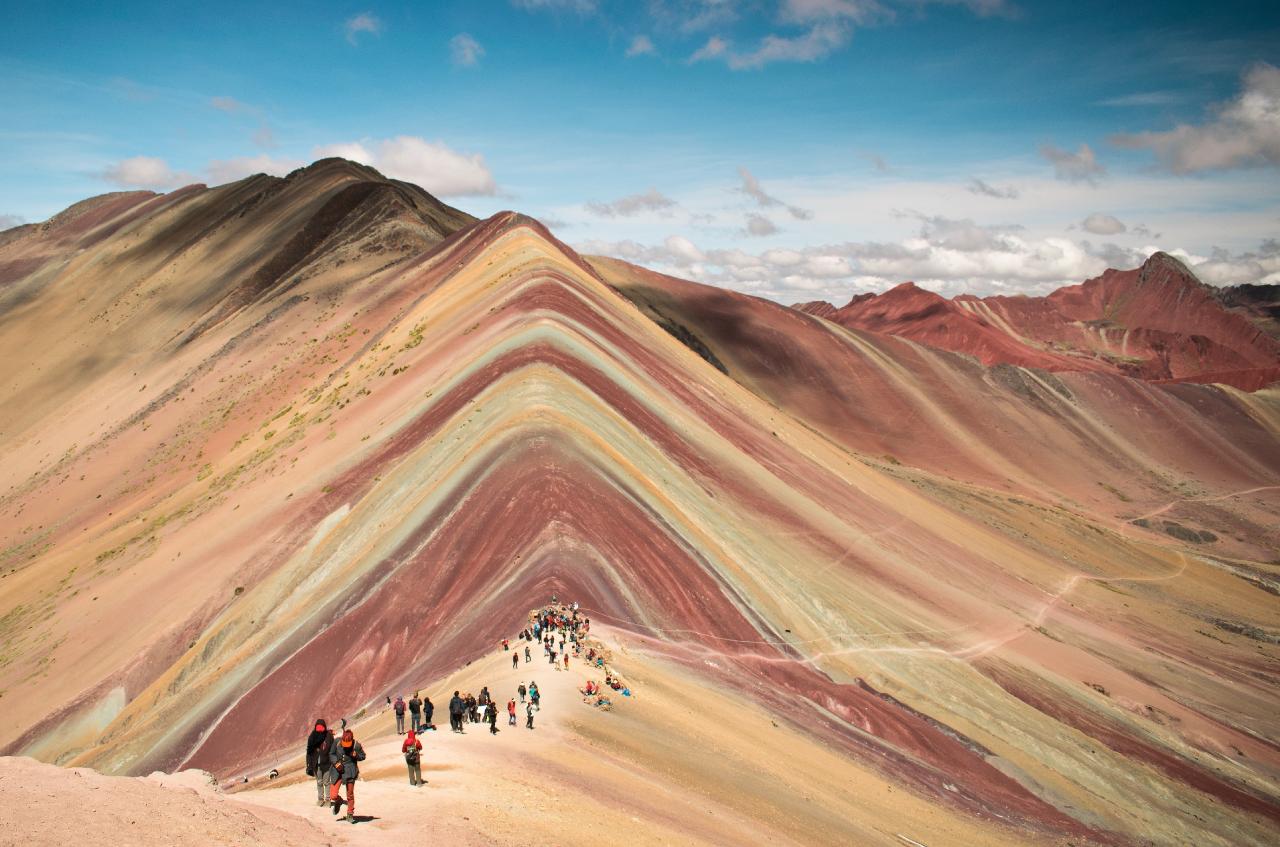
{"points": [[146, 172], [353, 150], [1142, 98], [582, 7], [263, 137], [229, 170], [1102, 225], [227, 104], [689, 16], [1081, 166], [759, 225], [434, 166], [1243, 133], [465, 51], [714, 48], [10, 221], [1261, 267], [819, 42], [752, 188], [807, 11], [985, 189], [363, 22], [641, 45], [632, 205], [981, 8]]}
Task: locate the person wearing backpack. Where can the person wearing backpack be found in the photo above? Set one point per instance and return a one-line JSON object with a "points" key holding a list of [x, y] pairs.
{"points": [[399, 707], [528, 711], [412, 749], [318, 743], [521, 691], [456, 707], [428, 712], [345, 757], [415, 710]]}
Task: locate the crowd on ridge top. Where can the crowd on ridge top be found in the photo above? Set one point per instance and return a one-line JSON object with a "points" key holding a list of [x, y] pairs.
{"points": [[334, 760]]}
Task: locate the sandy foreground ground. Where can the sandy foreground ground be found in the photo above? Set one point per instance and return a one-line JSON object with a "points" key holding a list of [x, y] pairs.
{"points": [[678, 763]]}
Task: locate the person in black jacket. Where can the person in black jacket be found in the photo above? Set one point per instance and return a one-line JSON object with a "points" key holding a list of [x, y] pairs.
{"points": [[318, 743], [456, 708], [415, 712], [428, 712]]}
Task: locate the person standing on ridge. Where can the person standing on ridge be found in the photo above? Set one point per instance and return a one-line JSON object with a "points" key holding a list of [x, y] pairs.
{"points": [[345, 756], [534, 696], [528, 711], [415, 710], [412, 749], [318, 743], [515, 660], [527, 657], [455, 713], [493, 718], [399, 707], [428, 712], [511, 713], [521, 691]]}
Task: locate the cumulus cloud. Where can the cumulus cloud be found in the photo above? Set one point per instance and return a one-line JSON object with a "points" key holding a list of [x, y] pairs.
{"points": [[433, 165], [641, 45], [1080, 166], [1103, 225], [465, 51], [10, 221], [229, 170], [752, 188], [985, 189], [759, 225], [632, 205], [689, 16], [1260, 267], [1241, 133], [363, 22], [145, 172]]}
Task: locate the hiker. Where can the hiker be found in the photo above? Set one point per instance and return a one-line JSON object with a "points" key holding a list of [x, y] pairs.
{"points": [[399, 707], [528, 711], [527, 657], [455, 713], [566, 661], [521, 691], [428, 712], [511, 713], [415, 710], [412, 749], [534, 697], [345, 757], [483, 709], [318, 759], [493, 718], [515, 661]]}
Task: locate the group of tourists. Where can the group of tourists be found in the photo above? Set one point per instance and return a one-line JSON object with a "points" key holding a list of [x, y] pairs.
{"points": [[334, 759]]}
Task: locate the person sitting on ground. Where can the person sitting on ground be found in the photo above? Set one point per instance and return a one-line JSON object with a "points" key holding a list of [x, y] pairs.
{"points": [[412, 750], [345, 757], [318, 759]]}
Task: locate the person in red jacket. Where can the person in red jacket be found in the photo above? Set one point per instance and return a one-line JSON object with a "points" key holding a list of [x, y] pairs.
{"points": [[511, 713], [412, 749]]}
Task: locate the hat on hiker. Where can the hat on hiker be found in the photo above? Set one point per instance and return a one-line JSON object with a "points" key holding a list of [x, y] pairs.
{"points": [[348, 738]]}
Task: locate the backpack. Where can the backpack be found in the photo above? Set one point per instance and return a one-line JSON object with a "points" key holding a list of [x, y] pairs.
{"points": [[411, 755]]}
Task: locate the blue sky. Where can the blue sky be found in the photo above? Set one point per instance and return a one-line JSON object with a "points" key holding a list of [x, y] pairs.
{"points": [[791, 148]]}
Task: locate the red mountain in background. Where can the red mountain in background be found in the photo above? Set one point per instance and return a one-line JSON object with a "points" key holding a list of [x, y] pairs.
{"points": [[1156, 322]]}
